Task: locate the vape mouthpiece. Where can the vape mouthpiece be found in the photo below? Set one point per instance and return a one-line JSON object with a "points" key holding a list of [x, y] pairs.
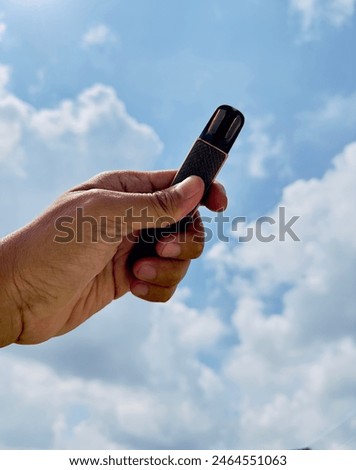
{"points": [[223, 128]]}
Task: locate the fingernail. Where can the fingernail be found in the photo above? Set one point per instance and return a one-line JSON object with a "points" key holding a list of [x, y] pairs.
{"points": [[171, 250], [148, 272], [140, 289]]}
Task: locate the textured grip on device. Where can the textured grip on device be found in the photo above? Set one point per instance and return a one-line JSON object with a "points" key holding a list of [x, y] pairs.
{"points": [[203, 160]]}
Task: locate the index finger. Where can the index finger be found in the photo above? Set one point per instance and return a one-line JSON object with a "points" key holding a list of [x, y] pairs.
{"points": [[129, 181]]}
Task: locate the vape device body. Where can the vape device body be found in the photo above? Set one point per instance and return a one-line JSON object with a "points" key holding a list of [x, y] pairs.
{"points": [[211, 149], [205, 159]]}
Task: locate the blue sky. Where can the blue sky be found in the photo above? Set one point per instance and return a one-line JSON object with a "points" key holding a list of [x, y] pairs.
{"points": [[257, 348]]}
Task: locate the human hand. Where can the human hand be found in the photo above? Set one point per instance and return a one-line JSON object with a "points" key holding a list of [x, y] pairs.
{"points": [[52, 283]]}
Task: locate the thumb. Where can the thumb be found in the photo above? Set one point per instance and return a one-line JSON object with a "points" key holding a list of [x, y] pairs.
{"points": [[166, 206]]}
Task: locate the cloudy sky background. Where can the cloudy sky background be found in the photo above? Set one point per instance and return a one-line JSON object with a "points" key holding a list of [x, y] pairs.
{"points": [[258, 347]]}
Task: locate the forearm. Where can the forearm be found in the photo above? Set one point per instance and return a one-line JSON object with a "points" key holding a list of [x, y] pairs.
{"points": [[10, 308]]}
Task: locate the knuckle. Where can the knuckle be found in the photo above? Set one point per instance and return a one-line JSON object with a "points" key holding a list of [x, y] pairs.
{"points": [[101, 179], [164, 202], [154, 205], [103, 175], [95, 199]]}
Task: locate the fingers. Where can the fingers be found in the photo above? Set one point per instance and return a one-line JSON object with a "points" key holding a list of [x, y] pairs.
{"points": [[156, 279], [152, 293], [161, 272], [138, 211], [148, 182], [129, 181]]}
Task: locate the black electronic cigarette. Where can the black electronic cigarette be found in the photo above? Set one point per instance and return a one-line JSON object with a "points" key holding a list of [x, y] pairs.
{"points": [[211, 149], [205, 159]]}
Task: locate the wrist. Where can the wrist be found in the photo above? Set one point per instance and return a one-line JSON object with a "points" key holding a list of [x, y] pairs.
{"points": [[10, 299]]}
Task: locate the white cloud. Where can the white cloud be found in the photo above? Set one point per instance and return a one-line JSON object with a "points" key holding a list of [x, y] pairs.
{"points": [[37, 87], [165, 407], [334, 118], [4, 77], [98, 34], [77, 138], [315, 12], [14, 114], [263, 148], [3, 28], [293, 365]]}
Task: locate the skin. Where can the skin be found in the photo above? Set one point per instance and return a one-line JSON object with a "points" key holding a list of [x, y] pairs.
{"points": [[51, 283]]}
